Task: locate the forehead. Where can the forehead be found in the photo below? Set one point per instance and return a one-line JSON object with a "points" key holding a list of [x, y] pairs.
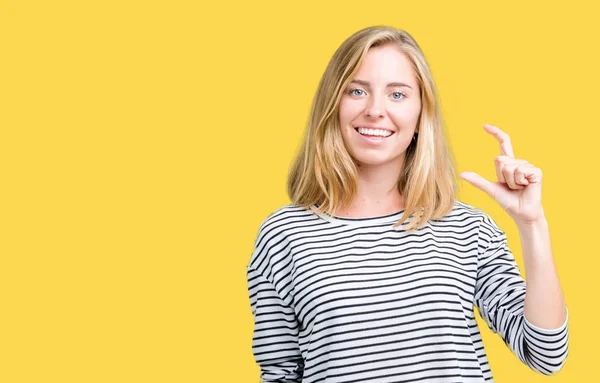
{"points": [[386, 64]]}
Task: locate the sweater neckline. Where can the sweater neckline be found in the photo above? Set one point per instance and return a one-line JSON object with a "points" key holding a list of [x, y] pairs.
{"points": [[360, 221]]}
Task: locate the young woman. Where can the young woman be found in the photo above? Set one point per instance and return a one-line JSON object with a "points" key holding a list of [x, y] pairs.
{"points": [[373, 272]]}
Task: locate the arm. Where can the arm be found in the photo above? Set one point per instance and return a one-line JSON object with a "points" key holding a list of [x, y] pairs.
{"points": [[544, 302], [275, 339], [500, 295]]}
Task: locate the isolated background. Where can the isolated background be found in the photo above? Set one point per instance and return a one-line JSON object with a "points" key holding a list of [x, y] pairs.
{"points": [[143, 142]]}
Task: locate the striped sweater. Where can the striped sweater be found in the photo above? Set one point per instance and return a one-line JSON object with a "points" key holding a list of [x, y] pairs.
{"points": [[356, 300]]}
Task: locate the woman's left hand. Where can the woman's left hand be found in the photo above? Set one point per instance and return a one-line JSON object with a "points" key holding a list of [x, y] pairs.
{"points": [[519, 186]]}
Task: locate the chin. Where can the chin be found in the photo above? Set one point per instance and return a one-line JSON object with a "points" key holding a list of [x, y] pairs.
{"points": [[372, 160]]}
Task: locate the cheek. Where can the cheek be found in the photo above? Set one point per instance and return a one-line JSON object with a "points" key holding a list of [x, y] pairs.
{"points": [[348, 111], [406, 117]]}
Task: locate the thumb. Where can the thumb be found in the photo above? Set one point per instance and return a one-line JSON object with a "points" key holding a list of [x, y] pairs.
{"points": [[479, 182]]}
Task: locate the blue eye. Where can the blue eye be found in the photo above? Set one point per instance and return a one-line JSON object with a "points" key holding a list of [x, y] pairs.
{"points": [[353, 90]]}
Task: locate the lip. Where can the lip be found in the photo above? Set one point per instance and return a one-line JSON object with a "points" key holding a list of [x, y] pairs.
{"points": [[372, 127], [373, 140]]}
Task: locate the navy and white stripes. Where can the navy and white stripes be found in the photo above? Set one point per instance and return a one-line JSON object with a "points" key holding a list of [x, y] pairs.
{"points": [[356, 300]]}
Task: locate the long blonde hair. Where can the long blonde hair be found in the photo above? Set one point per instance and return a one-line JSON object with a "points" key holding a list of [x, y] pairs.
{"points": [[323, 172]]}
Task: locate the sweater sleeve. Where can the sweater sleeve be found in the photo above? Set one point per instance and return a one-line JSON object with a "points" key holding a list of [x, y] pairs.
{"points": [[275, 338], [500, 299]]}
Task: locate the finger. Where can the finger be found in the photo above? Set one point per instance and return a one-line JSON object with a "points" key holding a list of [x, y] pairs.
{"points": [[500, 161], [509, 176], [520, 171], [534, 175], [513, 161], [503, 138], [480, 183]]}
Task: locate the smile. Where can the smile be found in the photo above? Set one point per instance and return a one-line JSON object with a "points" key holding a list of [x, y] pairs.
{"points": [[374, 133]]}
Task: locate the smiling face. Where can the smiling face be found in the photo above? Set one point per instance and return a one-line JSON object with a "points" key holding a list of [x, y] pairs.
{"points": [[379, 111]]}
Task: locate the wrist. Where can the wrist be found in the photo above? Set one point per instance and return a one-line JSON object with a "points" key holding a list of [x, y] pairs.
{"points": [[539, 224]]}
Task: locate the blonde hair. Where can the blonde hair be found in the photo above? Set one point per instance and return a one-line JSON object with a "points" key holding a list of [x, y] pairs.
{"points": [[323, 172]]}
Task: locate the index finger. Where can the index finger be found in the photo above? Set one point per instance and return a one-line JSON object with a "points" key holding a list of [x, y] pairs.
{"points": [[503, 138]]}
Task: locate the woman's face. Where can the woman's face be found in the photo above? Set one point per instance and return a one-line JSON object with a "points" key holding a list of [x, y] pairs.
{"points": [[379, 110]]}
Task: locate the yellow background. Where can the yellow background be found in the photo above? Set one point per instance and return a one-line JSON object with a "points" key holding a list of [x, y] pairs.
{"points": [[142, 143]]}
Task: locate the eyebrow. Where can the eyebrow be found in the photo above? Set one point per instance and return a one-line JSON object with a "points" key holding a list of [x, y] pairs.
{"points": [[391, 84]]}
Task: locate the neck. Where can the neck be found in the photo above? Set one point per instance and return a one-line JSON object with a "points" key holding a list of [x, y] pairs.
{"points": [[377, 191]]}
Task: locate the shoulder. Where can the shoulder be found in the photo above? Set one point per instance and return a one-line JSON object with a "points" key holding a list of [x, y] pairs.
{"points": [[488, 231], [280, 217], [271, 238], [464, 212], [470, 214]]}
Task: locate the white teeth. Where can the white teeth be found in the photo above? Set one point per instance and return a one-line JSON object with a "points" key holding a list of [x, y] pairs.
{"points": [[375, 132]]}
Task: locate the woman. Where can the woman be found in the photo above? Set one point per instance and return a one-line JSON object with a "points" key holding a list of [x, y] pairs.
{"points": [[373, 272]]}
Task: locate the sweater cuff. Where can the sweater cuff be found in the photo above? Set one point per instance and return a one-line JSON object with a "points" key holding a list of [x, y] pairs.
{"points": [[545, 331]]}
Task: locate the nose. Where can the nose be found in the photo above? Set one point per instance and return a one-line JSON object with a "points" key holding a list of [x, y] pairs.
{"points": [[374, 108]]}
